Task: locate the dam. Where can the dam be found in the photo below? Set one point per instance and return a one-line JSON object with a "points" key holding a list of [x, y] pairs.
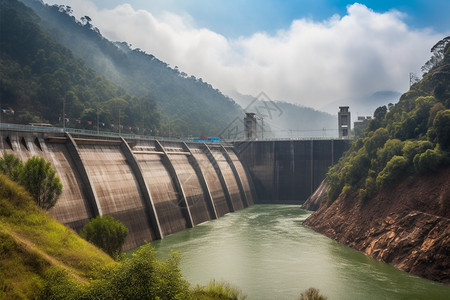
{"points": [[289, 171], [157, 187]]}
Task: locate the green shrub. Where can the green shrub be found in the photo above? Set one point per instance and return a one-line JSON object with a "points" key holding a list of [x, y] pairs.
{"points": [[106, 233], [217, 290], [392, 171], [433, 112], [356, 169], [391, 148], [41, 181], [369, 190], [312, 294], [142, 277], [412, 148], [429, 160], [11, 166], [441, 126], [375, 141], [60, 286]]}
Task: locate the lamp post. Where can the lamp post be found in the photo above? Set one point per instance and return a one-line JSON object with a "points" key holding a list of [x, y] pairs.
{"points": [[262, 125], [168, 123], [99, 109], [64, 114], [98, 128]]}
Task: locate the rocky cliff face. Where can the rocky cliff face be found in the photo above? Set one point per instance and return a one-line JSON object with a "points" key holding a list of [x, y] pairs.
{"points": [[407, 226]]}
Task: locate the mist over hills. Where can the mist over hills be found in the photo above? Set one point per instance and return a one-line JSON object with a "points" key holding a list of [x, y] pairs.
{"points": [[364, 106], [188, 105], [287, 120], [150, 96], [40, 78]]}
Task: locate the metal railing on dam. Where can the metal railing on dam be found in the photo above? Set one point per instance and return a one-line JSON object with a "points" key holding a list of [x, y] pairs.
{"points": [[94, 133], [155, 187], [160, 186]]}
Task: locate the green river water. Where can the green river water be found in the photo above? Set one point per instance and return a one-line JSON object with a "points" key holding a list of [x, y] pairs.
{"points": [[266, 252]]}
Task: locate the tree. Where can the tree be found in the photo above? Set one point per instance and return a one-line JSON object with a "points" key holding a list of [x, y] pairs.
{"points": [[393, 170], [391, 147], [142, 277], [312, 294], [378, 120], [411, 148], [106, 233], [380, 112], [437, 56], [11, 166], [431, 159], [41, 181], [441, 125]]}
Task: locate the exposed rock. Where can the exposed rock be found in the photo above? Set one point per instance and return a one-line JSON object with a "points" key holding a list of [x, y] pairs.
{"points": [[408, 226], [314, 201]]}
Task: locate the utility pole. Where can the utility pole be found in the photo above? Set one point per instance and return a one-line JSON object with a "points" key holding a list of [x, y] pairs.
{"points": [[168, 122], [143, 118], [98, 130], [64, 114], [262, 128]]}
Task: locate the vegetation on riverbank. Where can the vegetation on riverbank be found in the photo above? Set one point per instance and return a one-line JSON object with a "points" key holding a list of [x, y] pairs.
{"points": [[388, 195], [411, 137], [312, 294], [34, 244], [106, 233], [42, 259], [36, 175]]}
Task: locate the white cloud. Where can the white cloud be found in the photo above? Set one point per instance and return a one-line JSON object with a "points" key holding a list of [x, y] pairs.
{"points": [[309, 63]]}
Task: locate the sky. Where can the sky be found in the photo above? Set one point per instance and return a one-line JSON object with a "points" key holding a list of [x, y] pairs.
{"points": [[308, 52]]}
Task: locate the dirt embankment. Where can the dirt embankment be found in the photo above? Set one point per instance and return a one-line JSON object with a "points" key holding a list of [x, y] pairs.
{"points": [[407, 226]]}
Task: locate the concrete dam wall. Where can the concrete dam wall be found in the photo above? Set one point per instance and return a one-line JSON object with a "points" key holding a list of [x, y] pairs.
{"points": [[288, 171], [154, 187]]}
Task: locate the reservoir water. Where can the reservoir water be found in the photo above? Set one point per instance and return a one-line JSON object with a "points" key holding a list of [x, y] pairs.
{"points": [[266, 252]]}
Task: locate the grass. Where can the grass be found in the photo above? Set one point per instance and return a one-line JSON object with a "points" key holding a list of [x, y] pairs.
{"points": [[42, 259], [217, 290], [21, 271], [31, 242]]}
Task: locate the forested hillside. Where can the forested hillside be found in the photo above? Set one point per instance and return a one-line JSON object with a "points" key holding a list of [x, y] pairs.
{"points": [[38, 77], [389, 194], [189, 105], [411, 137]]}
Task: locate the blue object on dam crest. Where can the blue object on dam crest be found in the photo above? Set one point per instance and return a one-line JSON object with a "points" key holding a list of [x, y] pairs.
{"points": [[159, 187]]}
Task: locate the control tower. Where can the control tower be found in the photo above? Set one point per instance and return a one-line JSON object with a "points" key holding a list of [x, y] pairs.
{"points": [[344, 122]]}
